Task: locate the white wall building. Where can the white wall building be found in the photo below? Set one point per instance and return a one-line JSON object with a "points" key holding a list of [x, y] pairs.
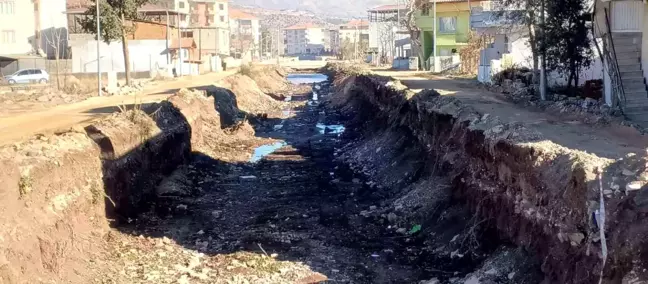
{"points": [[245, 35], [27, 26], [354, 31], [304, 39], [385, 30], [212, 14]]}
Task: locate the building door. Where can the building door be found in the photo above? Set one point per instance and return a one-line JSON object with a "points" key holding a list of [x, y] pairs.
{"points": [[627, 16]]}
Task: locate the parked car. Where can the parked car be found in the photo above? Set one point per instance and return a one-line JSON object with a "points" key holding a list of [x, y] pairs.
{"points": [[27, 76]]}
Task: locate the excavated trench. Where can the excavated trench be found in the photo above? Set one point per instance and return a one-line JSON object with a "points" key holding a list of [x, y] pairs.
{"points": [[303, 198], [349, 180]]}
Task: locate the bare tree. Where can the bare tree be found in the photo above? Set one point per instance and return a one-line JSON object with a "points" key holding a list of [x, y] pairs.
{"points": [[386, 39], [412, 6], [56, 39]]}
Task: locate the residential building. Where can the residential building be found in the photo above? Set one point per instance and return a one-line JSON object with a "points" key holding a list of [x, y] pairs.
{"points": [[355, 31], [304, 39], [209, 22], [245, 35], [171, 12], [334, 41], [33, 27], [386, 27], [452, 30], [619, 27]]}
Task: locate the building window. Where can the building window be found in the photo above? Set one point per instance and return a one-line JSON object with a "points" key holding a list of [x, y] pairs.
{"points": [[447, 24], [222, 19], [221, 7], [186, 34], [183, 18], [181, 4], [425, 10], [8, 36], [7, 7]]}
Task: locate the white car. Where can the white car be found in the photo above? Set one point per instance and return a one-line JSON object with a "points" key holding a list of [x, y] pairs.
{"points": [[27, 76]]}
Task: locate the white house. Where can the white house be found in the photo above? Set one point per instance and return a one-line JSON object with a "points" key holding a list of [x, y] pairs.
{"points": [[38, 26], [385, 31], [245, 35], [510, 46], [354, 31], [619, 26], [304, 39]]}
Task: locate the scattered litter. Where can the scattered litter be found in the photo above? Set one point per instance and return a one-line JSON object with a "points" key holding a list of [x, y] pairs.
{"points": [[375, 255], [332, 129], [288, 99], [278, 127], [181, 207], [415, 229], [317, 87], [247, 177], [315, 96]]}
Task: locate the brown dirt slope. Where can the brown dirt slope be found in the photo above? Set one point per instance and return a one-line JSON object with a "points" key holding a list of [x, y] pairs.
{"points": [[536, 193]]}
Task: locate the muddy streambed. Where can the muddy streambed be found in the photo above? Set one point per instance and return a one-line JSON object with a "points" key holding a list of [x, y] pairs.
{"points": [[298, 202]]}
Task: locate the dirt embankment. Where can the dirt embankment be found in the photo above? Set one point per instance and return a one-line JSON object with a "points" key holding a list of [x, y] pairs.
{"points": [[431, 153], [62, 193]]}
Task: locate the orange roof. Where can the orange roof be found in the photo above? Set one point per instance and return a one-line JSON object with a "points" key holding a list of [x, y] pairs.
{"points": [[238, 14], [356, 23], [303, 26], [186, 43]]}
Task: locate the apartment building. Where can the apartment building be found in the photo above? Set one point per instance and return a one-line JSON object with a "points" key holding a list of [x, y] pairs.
{"points": [[333, 44], [33, 27], [385, 30], [245, 34], [304, 39], [209, 23], [172, 12], [355, 31]]}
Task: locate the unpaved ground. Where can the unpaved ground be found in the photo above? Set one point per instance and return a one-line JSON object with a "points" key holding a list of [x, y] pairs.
{"points": [[604, 141], [34, 121], [297, 216]]}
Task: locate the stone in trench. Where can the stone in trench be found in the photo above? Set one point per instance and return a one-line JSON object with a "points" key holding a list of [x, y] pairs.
{"points": [[627, 172], [576, 238], [633, 186], [391, 217]]}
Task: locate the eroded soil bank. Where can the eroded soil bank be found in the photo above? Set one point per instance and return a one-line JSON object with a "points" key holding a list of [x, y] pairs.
{"points": [[354, 180]]}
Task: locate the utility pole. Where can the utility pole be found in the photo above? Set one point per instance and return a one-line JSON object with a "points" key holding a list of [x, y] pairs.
{"points": [[543, 68], [434, 59], [278, 39], [98, 49], [179, 47], [167, 36]]}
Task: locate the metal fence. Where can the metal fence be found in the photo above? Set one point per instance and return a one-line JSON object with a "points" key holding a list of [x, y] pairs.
{"points": [[8, 67]]}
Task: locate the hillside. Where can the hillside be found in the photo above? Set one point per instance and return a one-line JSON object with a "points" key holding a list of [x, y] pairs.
{"points": [[330, 8]]}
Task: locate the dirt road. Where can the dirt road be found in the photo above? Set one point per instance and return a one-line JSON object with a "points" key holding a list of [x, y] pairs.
{"points": [[604, 141], [63, 117]]}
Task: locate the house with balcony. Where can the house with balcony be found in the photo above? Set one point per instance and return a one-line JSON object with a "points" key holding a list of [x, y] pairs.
{"points": [[451, 30], [209, 25], [386, 30], [245, 36]]}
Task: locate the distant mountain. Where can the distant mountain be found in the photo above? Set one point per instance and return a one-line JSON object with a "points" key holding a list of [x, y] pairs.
{"points": [[325, 8]]}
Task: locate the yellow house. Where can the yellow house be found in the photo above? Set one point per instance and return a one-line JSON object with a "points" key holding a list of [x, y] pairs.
{"points": [[452, 26]]}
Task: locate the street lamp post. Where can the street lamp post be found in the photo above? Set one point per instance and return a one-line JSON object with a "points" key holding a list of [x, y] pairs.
{"points": [[98, 50]]}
